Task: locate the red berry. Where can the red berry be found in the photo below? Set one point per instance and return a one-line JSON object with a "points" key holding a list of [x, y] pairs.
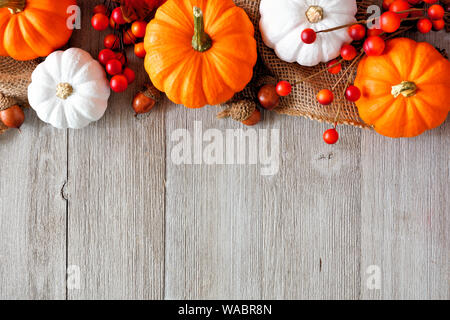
{"points": [[105, 55], [331, 136], [284, 88], [309, 36], [112, 24], [111, 41], [400, 5], [138, 28], [114, 67], [352, 93], [424, 25], [101, 8], [100, 22], [436, 12], [438, 24], [128, 37], [357, 32], [390, 22], [374, 46], [119, 83], [130, 75], [374, 32], [348, 52], [117, 16], [336, 69], [387, 3], [325, 97], [122, 58], [139, 50]]}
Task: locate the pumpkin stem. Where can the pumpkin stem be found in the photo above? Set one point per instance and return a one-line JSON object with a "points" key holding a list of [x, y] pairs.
{"points": [[14, 6], [64, 90], [406, 88], [314, 14], [201, 41]]}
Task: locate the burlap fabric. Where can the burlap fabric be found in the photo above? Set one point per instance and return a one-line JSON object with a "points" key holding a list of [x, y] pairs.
{"points": [[15, 76], [302, 101]]}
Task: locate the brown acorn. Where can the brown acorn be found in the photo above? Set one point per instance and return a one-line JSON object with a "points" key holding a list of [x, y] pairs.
{"points": [[268, 97], [244, 111], [13, 117], [254, 119], [145, 100]]}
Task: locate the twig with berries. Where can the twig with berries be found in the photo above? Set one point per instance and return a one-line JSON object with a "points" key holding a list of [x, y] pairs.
{"points": [[128, 20], [390, 22]]}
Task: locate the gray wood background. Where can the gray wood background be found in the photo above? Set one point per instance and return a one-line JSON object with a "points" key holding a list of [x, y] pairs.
{"points": [[109, 202]]}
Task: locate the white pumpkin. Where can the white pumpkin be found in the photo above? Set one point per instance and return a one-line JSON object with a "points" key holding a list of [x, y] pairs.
{"points": [[282, 23], [69, 89]]}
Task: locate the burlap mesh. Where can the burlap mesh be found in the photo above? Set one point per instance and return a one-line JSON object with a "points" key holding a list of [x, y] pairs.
{"points": [[302, 101], [15, 76]]}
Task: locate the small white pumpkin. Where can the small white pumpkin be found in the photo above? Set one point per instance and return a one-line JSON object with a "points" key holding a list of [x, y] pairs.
{"points": [[282, 22], [69, 89]]}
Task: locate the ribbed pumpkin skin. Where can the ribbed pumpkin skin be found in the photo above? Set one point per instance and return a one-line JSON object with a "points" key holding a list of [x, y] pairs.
{"points": [[404, 60], [193, 78], [36, 31]]}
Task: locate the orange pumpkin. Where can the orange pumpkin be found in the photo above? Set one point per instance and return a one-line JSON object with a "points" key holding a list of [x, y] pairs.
{"points": [[33, 28], [209, 67], [406, 90]]}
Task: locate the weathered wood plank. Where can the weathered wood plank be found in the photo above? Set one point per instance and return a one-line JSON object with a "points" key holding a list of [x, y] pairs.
{"points": [[233, 233], [212, 228], [311, 216], [116, 195], [33, 212], [404, 215], [404, 218]]}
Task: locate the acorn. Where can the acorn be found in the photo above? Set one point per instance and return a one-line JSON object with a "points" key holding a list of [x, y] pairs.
{"points": [[268, 96], [145, 100], [244, 111], [254, 119], [11, 115]]}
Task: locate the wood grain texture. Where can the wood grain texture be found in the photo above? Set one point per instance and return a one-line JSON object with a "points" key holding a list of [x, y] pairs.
{"points": [[311, 223], [405, 215], [213, 228], [232, 233], [32, 212], [115, 194]]}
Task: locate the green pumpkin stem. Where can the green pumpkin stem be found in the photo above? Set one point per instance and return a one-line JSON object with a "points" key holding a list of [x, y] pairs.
{"points": [[14, 6], [406, 88], [201, 41]]}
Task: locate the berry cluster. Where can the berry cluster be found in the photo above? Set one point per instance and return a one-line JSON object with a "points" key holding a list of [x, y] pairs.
{"points": [[399, 10], [373, 44], [390, 21], [128, 30]]}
